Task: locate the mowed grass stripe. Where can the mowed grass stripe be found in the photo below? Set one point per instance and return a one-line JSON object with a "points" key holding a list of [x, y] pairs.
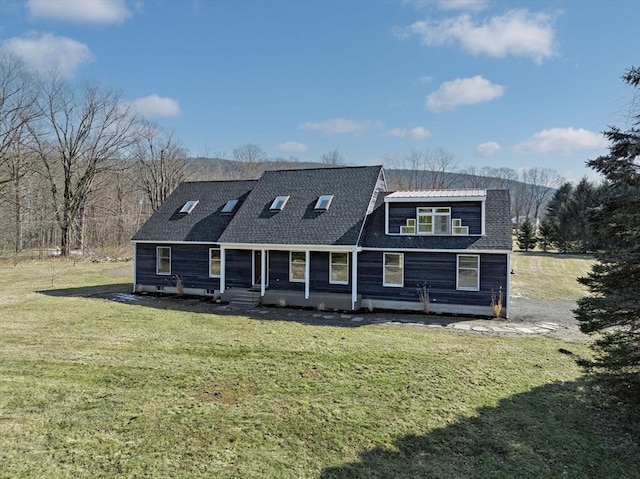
{"points": [[549, 276]]}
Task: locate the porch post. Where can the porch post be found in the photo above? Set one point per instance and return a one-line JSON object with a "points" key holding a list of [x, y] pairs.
{"points": [[263, 271], [223, 268], [307, 268], [354, 278]]}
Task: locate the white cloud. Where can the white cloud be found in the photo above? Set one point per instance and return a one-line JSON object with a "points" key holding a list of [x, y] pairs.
{"points": [[417, 133], [450, 4], [154, 106], [462, 4], [47, 52], [564, 140], [463, 91], [337, 126], [518, 33], [80, 11], [487, 149], [292, 146]]}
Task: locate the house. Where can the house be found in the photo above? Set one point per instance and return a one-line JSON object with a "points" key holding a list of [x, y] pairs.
{"points": [[330, 238]]}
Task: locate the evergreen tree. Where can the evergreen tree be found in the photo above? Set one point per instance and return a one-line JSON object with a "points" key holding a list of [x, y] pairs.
{"points": [[613, 307], [526, 238], [545, 234]]}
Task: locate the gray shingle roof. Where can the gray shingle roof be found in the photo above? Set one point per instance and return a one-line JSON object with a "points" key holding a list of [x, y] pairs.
{"points": [[205, 223], [299, 222], [497, 230]]}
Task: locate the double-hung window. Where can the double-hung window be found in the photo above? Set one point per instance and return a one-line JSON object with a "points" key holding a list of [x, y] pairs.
{"points": [[214, 263], [435, 220], [468, 277], [393, 269], [163, 260], [297, 266], [339, 268]]}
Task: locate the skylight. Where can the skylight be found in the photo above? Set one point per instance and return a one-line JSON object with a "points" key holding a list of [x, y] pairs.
{"points": [[323, 203], [189, 206], [279, 203], [230, 206]]}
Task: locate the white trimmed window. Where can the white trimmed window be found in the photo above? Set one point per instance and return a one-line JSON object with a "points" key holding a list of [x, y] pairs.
{"points": [[468, 277], [163, 260], [278, 203], [434, 221], [229, 206], [297, 266], [214, 263], [323, 203], [339, 268], [393, 269], [189, 206]]}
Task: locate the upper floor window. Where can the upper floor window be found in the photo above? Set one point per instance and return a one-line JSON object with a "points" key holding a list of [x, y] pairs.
{"points": [[189, 206], [229, 206], [163, 260], [323, 203], [435, 220], [279, 203], [339, 268]]}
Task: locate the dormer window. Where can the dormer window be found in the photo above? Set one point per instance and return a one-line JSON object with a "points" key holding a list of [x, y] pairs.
{"points": [[229, 206], [434, 221], [189, 206], [323, 203], [279, 203]]}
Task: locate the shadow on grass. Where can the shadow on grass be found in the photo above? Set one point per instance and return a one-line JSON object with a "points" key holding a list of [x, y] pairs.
{"points": [[93, 291], [557, 430], [196, 304]]}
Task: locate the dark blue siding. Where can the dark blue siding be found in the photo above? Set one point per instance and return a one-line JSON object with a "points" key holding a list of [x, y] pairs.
{"points": [[189, 262], [470, 212], [319, 273], [238, 268], [279, 272], [437, 270]]}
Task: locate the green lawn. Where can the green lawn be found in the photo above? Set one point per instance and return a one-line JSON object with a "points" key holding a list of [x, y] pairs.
{"points": [[94, 388], [541, 275]]}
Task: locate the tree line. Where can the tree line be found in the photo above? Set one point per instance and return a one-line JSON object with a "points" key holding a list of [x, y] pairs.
{"points": [[80, 168]]}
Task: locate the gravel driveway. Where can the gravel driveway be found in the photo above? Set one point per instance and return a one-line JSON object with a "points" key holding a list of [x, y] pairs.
{"points": [[524, 310]]}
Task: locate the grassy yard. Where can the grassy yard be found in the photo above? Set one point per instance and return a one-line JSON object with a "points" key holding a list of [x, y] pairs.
{"points": [[91, 387], [541, 275]]}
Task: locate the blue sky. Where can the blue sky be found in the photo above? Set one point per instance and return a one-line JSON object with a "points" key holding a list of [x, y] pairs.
{"points": [[494, 83]]}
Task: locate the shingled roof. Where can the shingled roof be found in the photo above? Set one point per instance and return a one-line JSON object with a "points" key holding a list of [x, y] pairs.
{"points": [[205, 223], [497, 230], [299, 223]]}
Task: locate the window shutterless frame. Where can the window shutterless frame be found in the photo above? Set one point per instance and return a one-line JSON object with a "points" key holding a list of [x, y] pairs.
{"points": [[297, 266], [163, 260], [468, 272], [339, 268], [214, 263], [393, 269]]}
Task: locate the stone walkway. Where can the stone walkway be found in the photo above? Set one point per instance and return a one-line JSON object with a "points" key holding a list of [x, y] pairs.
{"points": [[502, 327]]}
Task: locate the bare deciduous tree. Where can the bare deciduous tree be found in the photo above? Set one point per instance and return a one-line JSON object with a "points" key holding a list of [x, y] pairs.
{"points": [[420, 170], [162, 163], [81, 130], [332, 158], [251, 159]]}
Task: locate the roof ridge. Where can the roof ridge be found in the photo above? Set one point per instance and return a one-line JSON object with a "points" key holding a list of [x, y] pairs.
{"points": [[345, 167]]}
